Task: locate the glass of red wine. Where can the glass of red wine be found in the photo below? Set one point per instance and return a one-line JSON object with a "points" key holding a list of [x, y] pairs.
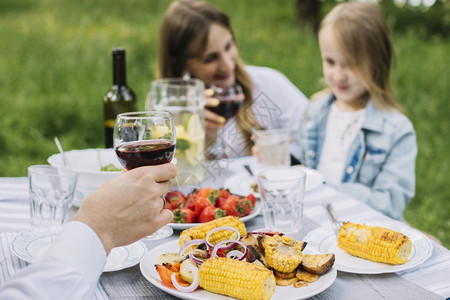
{"points": [[145, 138], [230, 101]]}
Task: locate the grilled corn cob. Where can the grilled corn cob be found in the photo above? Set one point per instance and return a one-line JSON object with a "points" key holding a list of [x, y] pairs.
{"points": [[200, 231], [374, 243], [283, 253], [236, 278]]}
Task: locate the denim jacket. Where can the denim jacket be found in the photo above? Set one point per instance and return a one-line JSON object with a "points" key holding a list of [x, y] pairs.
{"points": [[380, 166]]}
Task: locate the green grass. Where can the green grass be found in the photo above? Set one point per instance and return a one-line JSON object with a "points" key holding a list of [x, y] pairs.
{"points": [[56, 65]]}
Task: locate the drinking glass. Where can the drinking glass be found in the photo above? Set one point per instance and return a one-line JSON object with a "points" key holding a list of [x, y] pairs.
{"points": [[230, 101], [282, 192], [273, 145], [51, 192], [185, 100], [145, 138]]}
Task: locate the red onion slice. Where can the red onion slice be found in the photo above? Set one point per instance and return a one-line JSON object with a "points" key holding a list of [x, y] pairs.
{"points": [[195, 259], [189, 244], [236, 254], [222, 245], [192, 286]]}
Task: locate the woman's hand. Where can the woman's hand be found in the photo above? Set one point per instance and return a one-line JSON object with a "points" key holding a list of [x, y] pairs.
{"points": [[213, 121], [129, 206]]}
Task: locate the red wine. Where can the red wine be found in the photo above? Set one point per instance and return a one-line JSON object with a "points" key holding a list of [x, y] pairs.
{"points": [[145, 153], [226, 108]]}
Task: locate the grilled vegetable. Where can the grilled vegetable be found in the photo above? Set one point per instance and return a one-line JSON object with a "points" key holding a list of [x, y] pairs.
{"points": [[236, 278], [305, 276], [285, 281], [169, 258], [318, 263], [200, 232], [374, 243], [186, 272], [282, 253]]}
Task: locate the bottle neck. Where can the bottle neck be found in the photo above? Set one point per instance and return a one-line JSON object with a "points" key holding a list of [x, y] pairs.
{"points": [[119, 70]]}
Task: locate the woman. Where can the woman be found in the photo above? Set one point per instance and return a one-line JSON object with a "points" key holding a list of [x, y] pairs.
{"points": [[196, 40]]}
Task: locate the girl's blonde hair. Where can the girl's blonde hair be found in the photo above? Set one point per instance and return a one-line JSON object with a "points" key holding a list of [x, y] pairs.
{"points": [[363, 38], [184, 35]]}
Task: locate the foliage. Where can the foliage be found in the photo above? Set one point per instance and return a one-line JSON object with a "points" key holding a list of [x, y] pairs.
{"points": [[56, 66]]}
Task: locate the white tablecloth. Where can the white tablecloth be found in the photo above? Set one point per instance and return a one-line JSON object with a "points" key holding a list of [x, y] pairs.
{"points": [[433, 275]]}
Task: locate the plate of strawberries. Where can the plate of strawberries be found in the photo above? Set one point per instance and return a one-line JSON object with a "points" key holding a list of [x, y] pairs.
{"points": [[206, 204]]}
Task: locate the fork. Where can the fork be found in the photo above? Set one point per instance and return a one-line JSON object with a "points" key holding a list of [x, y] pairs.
{"points": [[336, 224]]}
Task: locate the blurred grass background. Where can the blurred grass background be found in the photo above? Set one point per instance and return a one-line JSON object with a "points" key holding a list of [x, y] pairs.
{"points": [[55, 67]]}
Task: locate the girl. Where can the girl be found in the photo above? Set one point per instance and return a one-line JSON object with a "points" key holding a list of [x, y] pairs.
{"points": [[196, 39], [357, 135]]}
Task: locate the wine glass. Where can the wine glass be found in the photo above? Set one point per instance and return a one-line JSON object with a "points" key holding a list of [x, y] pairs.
{"points": [[230, 101], [145, 138]]}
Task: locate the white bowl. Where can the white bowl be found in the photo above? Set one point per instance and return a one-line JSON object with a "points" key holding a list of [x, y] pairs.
{"points": [[88, 163]]}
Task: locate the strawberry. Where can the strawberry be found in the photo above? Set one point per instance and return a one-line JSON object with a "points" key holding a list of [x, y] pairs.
{"points": [[183, 215], [230, 206], [252, 198], [200, 204], [210, 213], [244, 207], [204, 192], [220, 201], [239, 207], [175, 199]]}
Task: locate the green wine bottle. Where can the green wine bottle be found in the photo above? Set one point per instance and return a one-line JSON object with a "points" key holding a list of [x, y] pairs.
{"points": [[120, 98]]}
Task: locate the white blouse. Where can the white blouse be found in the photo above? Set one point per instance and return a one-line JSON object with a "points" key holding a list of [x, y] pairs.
{"points": [[342, 128]]}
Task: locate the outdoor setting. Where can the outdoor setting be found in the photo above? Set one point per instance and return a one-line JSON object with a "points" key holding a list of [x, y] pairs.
{"points": [[56, 68]]}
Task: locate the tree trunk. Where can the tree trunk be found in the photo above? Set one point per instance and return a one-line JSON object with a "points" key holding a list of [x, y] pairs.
{"points": [[308, 13]]}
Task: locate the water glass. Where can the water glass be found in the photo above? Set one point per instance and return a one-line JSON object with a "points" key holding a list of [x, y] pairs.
{"points": [[282, 192], [273, 146], [51, 192]]}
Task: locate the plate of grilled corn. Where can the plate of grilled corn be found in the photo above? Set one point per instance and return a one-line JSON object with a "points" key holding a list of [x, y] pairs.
{"points": [[372, 248], [227, 262]]}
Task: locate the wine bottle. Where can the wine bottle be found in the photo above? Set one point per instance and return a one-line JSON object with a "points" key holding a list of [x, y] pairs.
{"points": [[120, 98]]}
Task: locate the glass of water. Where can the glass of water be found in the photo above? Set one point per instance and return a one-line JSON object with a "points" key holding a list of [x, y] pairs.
{"points": [[282, 192]]}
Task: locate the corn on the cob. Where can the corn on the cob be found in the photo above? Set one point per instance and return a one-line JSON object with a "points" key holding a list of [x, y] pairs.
{"points": [[200, 231], [283, 253], [236, 278], [374, 243]]}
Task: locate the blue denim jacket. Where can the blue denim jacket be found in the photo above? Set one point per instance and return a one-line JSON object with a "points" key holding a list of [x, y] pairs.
{"points": [[380, 166]]}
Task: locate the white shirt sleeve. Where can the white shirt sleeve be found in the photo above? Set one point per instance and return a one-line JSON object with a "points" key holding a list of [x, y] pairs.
{"points": [[70, 269]]}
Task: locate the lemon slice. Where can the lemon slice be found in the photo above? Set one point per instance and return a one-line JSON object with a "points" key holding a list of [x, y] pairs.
{"points": [[159, 132], [180, 130], [195, 128], [196, 135]]}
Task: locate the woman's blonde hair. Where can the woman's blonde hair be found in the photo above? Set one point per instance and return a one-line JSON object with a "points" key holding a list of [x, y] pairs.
{"points": [[184, 35], [363, 37]]}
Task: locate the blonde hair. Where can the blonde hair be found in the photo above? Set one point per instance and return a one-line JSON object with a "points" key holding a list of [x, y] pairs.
{"points": [[184, 35], [363, 38]]}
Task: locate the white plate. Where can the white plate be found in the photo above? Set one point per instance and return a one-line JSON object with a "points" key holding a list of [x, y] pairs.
{"points": [[182, 226], [241, 183], [324, 240], [147, 266], [30, 245]]}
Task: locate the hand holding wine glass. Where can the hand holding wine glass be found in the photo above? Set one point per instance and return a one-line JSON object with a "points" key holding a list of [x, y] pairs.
{"points": [[145, 139], [230, 101]]}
